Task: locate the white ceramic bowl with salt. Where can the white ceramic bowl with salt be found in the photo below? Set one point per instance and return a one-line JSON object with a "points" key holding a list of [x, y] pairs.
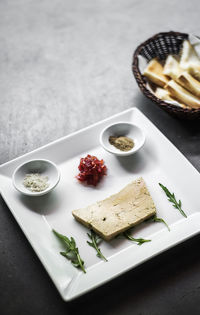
{"points": [[43, 167]]}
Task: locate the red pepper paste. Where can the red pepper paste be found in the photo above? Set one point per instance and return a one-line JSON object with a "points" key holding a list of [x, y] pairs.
{"points": [[91, 170]]}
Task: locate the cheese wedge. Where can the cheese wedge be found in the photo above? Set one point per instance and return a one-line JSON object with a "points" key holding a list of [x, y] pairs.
{"points": [[182, 95], [172, 68], [154, 72], [190, 83], [190, 60], [119, 212]]}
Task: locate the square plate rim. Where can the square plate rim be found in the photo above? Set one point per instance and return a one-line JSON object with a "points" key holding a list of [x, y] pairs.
{"points": [[73, 295]]}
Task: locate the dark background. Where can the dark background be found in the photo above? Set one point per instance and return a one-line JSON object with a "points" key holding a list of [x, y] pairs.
{"points": [[65, 65]]}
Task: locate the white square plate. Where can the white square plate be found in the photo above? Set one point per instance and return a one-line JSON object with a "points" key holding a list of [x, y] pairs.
{"points": [[158, 161]]}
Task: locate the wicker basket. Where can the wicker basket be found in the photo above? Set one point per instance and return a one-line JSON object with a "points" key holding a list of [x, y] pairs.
{"points": [[161, 45]]}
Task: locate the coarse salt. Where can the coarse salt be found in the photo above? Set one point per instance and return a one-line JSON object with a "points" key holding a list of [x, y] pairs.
{"points": [[36, 182]]}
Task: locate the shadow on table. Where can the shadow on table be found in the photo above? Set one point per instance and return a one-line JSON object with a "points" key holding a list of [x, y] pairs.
{"points": [[148, 286]]}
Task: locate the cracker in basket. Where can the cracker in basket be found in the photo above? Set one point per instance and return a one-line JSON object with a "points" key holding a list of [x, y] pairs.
{"points": [[189, 60], [189, 83], [182, 95], [172, 67], [164, 95], [154, 72]]}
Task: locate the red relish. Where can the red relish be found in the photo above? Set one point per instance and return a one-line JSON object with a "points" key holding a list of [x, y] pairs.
{"points": [[91, 170]]}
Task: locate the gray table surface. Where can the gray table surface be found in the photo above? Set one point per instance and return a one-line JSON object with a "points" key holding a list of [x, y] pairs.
{"points": [[64, 65]]}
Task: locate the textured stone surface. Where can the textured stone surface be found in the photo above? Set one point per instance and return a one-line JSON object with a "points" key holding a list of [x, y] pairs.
{"points": [[65, 64]]}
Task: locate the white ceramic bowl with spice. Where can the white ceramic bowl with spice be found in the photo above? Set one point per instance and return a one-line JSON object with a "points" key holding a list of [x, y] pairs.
{"points": [[48, 173], [122, 129]]}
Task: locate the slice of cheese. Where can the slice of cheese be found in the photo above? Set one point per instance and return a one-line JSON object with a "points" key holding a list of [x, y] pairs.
{"points": [[119, 212], [154, 72]]}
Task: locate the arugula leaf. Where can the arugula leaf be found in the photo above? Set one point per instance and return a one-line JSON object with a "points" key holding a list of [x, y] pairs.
{"points": [[96, 240], [156, 219], [140, 241], [172, 199], [71, 252]]}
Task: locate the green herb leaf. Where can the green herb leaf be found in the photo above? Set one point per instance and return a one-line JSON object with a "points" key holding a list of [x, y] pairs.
{"points": [[171, 197], [140, 241], [72, 252], [96, 240], [156, 219]]}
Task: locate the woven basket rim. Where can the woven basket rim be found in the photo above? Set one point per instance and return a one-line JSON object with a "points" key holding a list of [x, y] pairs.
{"points": [[142, 84]]}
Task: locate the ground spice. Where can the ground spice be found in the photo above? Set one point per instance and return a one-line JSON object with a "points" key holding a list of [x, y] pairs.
{"points": [[122, 143]]}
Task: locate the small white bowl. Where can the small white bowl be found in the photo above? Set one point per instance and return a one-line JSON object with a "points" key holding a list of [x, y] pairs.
{"points": [[44, 168], [122, 129]]}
